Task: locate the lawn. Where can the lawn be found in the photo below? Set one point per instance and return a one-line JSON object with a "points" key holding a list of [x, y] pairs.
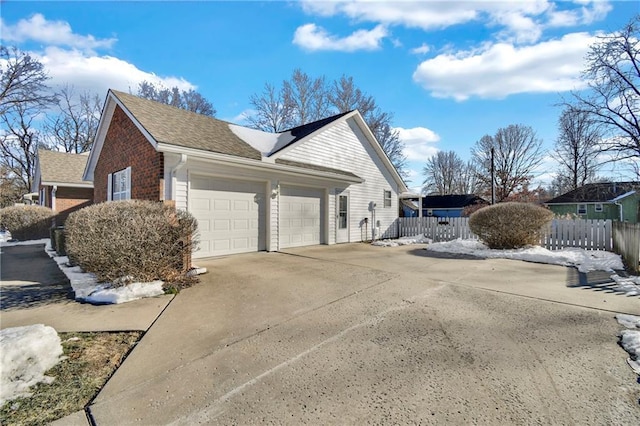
{"points": [[90, 360]]}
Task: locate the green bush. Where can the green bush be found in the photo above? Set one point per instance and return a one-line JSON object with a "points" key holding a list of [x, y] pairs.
{"points": [[510, 225], [141, 240], [27, 222]]}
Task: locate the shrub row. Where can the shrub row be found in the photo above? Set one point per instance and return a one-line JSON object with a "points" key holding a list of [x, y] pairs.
{"points": [[27, 222], [510, 225], [142, 240]]}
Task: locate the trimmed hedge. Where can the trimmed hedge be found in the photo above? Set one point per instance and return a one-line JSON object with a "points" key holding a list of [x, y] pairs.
{"points": [[27, 222], [135, 240], [510, 225]]}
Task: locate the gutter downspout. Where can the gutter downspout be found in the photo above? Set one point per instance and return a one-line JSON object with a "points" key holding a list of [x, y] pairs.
{"points": [[53, 197], [619, 207], [172, 174]]}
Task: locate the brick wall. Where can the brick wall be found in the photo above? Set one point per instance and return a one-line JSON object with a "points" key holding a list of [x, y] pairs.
{"points": [[126, 146], [69, 200]]}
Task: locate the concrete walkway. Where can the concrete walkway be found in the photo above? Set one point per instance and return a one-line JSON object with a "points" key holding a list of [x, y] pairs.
{"points": [[33, 290], [355, 334]]}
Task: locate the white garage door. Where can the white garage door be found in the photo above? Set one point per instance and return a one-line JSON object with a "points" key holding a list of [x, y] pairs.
{"points": [[230, 215], [300, 216]]}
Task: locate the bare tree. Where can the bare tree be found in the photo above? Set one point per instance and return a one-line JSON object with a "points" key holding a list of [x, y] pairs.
{"points": [[303, 99], [446, 173], [189, 100], [346, 96], [24, 96], [613, 96], [271, 113], [74, 128], [577, 147], [19, 143], [517, 153], [306, 97], [391, 144], [23, 80]]}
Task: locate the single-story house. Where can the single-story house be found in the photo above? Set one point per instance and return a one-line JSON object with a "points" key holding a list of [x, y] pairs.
{"points": [[58, 181], [441, 205], [325, 182], [607, 200]]}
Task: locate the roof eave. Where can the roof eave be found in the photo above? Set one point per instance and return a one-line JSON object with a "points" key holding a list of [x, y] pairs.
{"points": [[67, 184], [255, 164]]}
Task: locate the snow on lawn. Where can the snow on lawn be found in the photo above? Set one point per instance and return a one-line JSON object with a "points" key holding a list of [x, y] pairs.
{"points": [[584, 260], [630, 339], [403, 241], [6, 243], [26, 353], [628, 285]]}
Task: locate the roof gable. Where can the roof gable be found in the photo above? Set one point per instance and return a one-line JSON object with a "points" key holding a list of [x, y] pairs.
{"points": [[56, 168], [304, 133], [596, 193]]}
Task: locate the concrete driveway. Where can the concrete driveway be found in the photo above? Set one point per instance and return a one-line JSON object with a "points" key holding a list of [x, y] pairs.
{"points": [[356, 334]]}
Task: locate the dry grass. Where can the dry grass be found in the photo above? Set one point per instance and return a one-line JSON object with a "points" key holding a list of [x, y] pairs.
{"points": [[91, 360]]}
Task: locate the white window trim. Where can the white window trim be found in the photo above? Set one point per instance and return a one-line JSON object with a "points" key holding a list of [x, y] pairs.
{"points": [[122, 194], [578, 209], [385, 199], [599, 208]]}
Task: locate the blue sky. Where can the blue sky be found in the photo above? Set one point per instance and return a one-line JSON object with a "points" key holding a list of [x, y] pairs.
{"points": [[449, 71]]}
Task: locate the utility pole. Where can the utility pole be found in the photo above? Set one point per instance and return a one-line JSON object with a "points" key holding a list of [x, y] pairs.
{"points": [[493, 177]]}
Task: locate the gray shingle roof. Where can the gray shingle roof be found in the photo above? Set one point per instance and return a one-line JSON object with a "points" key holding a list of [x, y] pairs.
{"points": [[596, 192], [174, 126], [315, 167], [62, 167]]}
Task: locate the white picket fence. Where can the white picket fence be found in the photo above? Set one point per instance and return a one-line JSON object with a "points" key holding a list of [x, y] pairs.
{"points": [[583, 233]]}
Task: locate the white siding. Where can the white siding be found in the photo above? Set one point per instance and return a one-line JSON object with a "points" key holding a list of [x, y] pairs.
{"points": [[345, 147]]}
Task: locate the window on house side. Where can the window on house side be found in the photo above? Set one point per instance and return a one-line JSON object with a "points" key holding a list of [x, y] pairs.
{"points": [[121, 185], [599, 208], [387, 198], [582, 209]]}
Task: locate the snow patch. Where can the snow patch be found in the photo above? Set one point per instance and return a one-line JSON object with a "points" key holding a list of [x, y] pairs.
{"points": [[627, 285], [584, 260], [26, 353], [106, 294], [5, 236], [630, 339], [264, 142], [22, 243], [403, 241], [87, 288]]}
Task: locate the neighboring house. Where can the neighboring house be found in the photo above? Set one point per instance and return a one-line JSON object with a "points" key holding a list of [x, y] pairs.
{"points": [[441, 205], [322, 183], [59, 183], [610, 200]]}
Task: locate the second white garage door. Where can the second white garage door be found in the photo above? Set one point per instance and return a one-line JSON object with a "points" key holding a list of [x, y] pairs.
{"points": [[300, 216], [230, 215]]}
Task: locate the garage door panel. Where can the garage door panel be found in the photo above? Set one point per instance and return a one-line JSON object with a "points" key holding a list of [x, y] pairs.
{"points": [[300, 216], [230, 215]]}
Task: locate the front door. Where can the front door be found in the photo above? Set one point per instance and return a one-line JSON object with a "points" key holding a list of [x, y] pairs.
{"points": [[342, 218]]}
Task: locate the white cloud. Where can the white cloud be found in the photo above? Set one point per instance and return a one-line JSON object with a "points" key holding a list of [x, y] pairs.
{"points": [[71, 59], [415, 14], [98, 73], [419, 143], [502, 69], [313, 37], [420, 50], [589, 12], [54, 33], [515, 21]]}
